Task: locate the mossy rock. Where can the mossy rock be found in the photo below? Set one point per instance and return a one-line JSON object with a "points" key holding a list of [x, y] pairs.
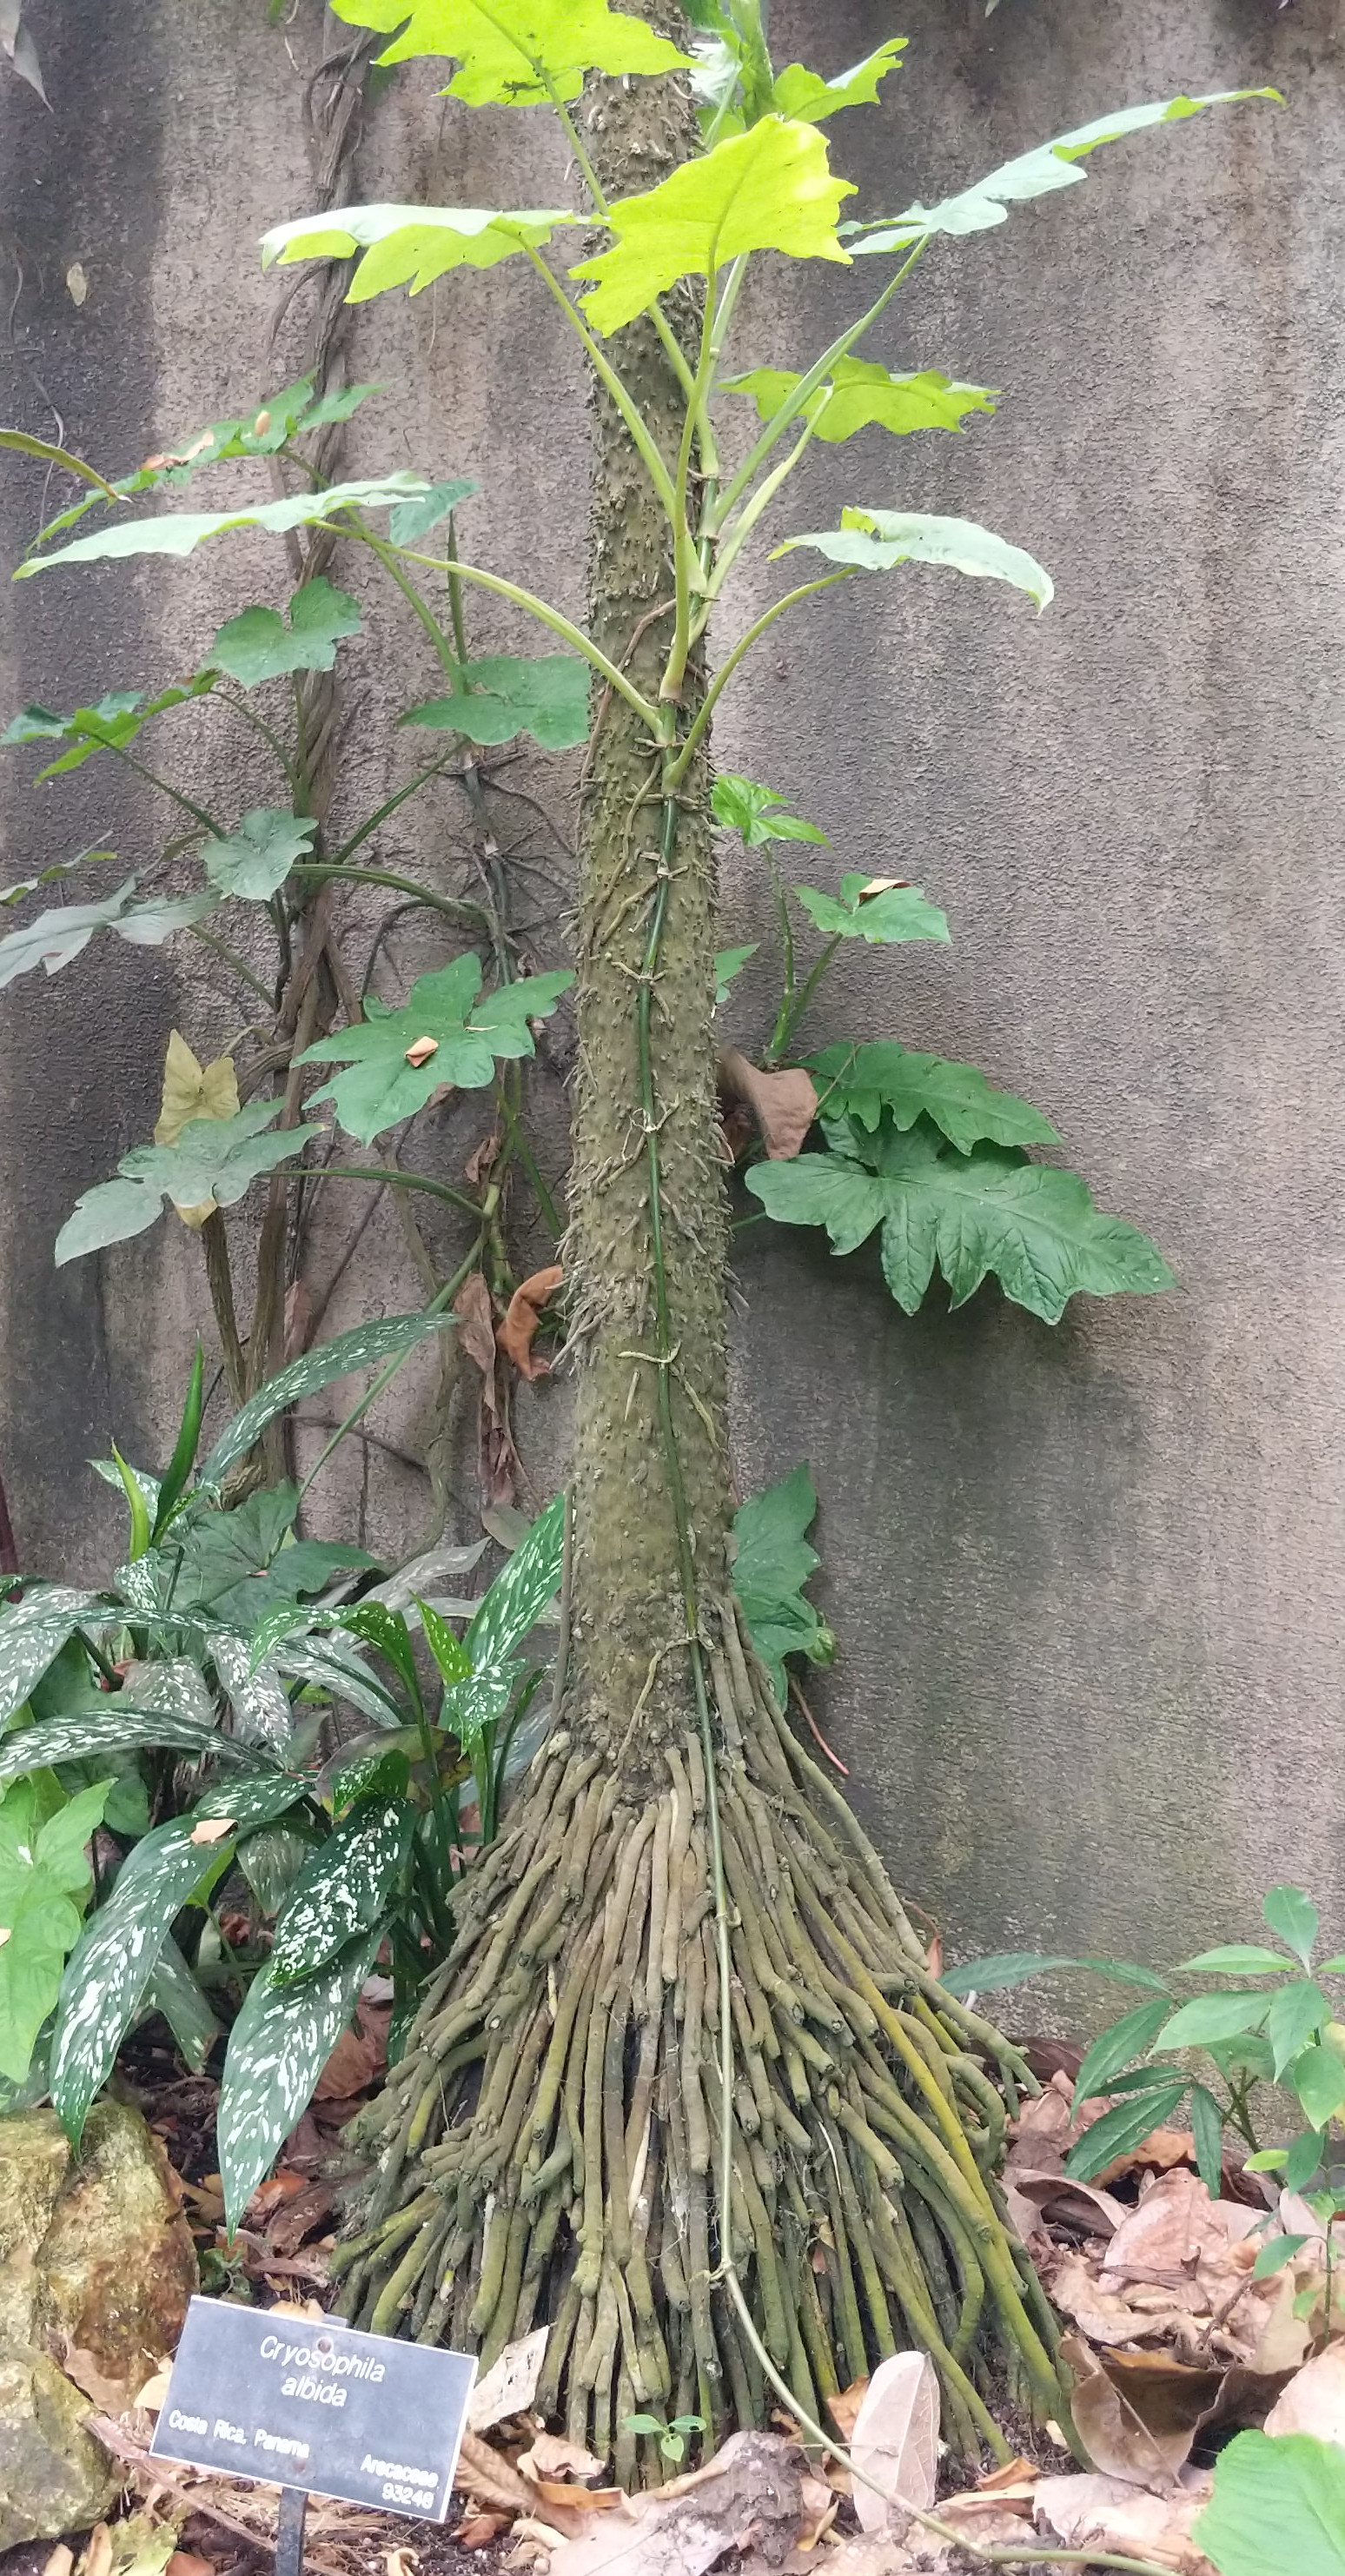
{"points": [[54, 2477], [95, 2253]]}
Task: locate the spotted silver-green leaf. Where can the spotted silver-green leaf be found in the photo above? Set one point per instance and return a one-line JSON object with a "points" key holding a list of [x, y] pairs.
{"points": [[175, 1686], [278, 2047], [258, 1699], [335, 1665], [173, 1991], [509, 1610], [32, 1633], [113, 1730], [120, 1947], [360, 1349], [345, 1888]]}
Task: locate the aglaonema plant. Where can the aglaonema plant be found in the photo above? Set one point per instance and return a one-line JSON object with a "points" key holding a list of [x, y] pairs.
{"points": [[686, 2089]]}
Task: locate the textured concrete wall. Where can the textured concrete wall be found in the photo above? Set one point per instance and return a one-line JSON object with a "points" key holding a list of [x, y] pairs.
{"points": [[1089, 1583]]}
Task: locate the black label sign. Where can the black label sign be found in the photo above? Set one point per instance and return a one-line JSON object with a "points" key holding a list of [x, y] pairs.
{"points": [[316, 2405]]}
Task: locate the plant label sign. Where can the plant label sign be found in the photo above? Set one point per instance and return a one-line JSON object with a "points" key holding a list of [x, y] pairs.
{"points": [[315, 2405]]}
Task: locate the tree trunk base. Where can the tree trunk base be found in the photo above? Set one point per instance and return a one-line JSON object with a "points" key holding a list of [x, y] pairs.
{"points": [[550, 2148]]}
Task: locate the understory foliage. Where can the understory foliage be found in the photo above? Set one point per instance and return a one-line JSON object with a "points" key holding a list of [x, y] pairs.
{"points": [[680, 2082]]}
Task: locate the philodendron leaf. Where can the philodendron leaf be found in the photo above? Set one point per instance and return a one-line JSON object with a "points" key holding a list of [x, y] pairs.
{"points": [[44, 1878], [47, 876], [120, 1947], [859, 394], [412, 520], [1278, 2508], [876, 540], [769, 189], [505, 694], [874, 909], [363, 1347], [32, 1633], [1037, 174], [861, 1082], [745, 805], [110, 726], [772, 1562], [346, 1887], [987, 1211], [180, 532], [258, 645], [799, 92], [191, 1090], [517, 53], [446, 1031], [214, 1161], [57, 937], [412, 245], [257, 858], [278, 2047]]}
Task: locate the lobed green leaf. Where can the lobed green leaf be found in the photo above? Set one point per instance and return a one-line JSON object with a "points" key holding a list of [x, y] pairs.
{"points": [[180, 532], [876, 540], [772, 1562], [861, 1082], [506, 694], [891, 914], [411, 245], [860, 394], [517, 53]]}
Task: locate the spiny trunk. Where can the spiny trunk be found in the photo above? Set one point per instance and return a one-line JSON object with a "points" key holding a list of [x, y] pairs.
{"points": [[551, 2148]]}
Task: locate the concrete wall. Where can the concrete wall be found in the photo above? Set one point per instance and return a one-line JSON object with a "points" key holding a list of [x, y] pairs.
{"points": [[1088, 1583]]}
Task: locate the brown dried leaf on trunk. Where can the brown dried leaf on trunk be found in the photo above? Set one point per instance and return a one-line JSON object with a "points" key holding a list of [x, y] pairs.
{"points": [[783, 1104], [479, 2529], [895, 2445], [515, 1334], [1107, 2514], [551, 2456], [298, 1319], [359, 2056], [509, 2386], [476, 1323]]}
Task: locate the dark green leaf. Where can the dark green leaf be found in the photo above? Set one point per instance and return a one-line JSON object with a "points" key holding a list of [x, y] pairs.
{"points": [[412, 520], [890, 914], [107, 1733], [278, 2047], [466, 1030], [32, 1633], [1003, 1969], [110, 726], [1121, 2130], [183, 1459], [1278, 2508], [860, 1082], [257, 858], [447, 1648], [258, 645], [509, 1612], [173, 1991], [345, 1889], [1294, 1918], [772, 1562], [361, 1348], [1296, 2014], [1303, 2158], [729, 963], [180, 532], [972, 1215], [744, 805], [387, 1632], [504, 695], [1240, 1959], [1113, 2049]]}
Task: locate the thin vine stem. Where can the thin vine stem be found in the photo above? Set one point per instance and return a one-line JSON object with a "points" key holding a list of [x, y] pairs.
{"points": [[686, 753], [646, 445], [550, 617], [395, 1177], [443, 1297], [237, 965]]}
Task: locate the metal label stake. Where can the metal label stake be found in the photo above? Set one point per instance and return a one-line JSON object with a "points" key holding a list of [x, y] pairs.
{"points": [[290, 2531]]}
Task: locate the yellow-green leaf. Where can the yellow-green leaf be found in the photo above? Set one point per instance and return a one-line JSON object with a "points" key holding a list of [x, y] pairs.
{"points": [[194, 1090], [517, 53], [770, 189], [410, 245], [799, 92], [860, 394]]}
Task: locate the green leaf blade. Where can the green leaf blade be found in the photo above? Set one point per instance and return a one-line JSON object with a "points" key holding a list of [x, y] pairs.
{"points": [[365, 1346], [344, 1890], [278, 2047], [1130, 2037], [1122, 2129], [877, 540], [178, 533], [1295, 1919], [505, 694], [1278, 2508], [859, 394], [514, 55], [258, 645]]}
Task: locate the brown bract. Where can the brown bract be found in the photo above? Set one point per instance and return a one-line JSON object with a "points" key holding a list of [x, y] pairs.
{"points": [[515, 1334], [784, 1105]]}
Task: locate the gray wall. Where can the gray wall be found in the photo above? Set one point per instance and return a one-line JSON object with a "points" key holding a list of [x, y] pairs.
{"points": [[1088, 1583]]}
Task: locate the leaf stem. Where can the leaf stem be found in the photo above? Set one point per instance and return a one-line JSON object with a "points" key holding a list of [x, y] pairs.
{"points": [[646, 444], [456, 908], [394, 1176], [237, 965], [259, 726], [443, 1297], [564, 627], [390, 805]]}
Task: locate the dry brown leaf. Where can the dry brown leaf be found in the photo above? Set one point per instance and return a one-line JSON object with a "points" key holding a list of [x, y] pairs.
{"points": [[476, 1323], [844, 2408], [359, 2056], [185, 2563], [985, 2521], [747, 2497], [1178, 2233], [820, 2505], [1105, 2316], [515, 1334], [566, 2495], [400, 2562], [307, 2308], [895, 2445], [212, 1829], [1107, 2514], [1314, 2401], [489, 2479], [110, 2394], [97, 2558], [1013, 2477], [880, 885], [551, 2456], [510, 2384], [783, 1104], [155, 2390], [59, 2562], [269, 2195], [479, 2529], [1138, 2413], [298, 1319], [420, 1051]]}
